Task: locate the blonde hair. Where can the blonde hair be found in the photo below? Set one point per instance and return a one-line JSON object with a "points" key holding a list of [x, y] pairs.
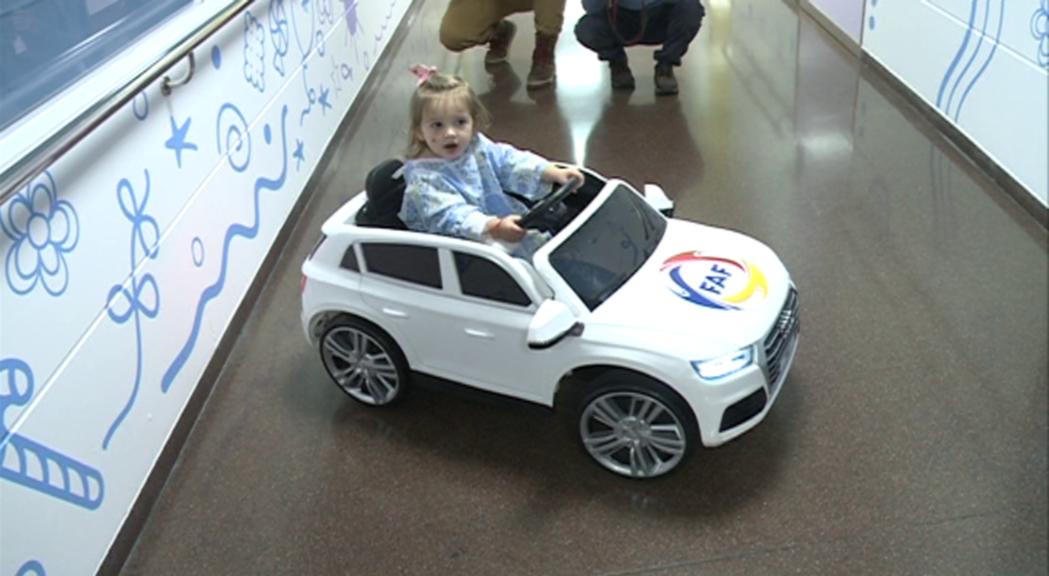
{"points": [[441, 88]]}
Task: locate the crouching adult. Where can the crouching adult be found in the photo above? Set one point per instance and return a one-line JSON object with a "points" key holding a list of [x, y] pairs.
{"points": [[610, 26]]}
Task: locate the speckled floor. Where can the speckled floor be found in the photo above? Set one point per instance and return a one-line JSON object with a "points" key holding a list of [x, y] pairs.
{"points": [[911, 437]]}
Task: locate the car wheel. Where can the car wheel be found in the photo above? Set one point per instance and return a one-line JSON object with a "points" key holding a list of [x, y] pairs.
{"points": [[364, 362], [634, 427]]}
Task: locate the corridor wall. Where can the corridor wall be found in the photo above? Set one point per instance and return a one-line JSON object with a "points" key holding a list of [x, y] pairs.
{"points": [[124, 262], [983, 65]]}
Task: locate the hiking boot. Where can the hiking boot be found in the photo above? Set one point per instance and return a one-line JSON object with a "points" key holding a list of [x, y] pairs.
{"points": [[666, 84], [622, 78], [543, 70], [499, 45]]}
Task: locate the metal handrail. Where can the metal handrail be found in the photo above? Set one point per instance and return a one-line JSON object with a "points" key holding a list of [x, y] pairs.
{"points": [[62, 140]]}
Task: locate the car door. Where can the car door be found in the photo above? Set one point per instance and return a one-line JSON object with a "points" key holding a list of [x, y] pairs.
{"points": [[404, 288], [494, 312]]}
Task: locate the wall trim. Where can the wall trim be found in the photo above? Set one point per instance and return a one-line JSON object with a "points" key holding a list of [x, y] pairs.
{"points": [[961, 142], [127, 537], [830, 27]]}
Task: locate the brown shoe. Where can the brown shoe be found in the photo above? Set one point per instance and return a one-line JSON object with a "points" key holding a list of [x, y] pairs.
{"points": [[499, 45], [622, 78], [543, 70], [666, 83]]}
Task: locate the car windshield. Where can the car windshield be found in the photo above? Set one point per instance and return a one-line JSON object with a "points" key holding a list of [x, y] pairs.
{"points": [[609, 247]]}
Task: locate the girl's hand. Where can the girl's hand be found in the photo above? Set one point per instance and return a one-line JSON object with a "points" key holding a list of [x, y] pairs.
{"points": [[562, 174], [506, 229]]}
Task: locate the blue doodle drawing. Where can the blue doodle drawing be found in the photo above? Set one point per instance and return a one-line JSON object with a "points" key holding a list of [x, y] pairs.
{"points": [[216, 57], [31, 568], [951, 107], [237, 143], [248, 232], [178, 142], [279, 34], [304, 26], [141, 96], [196, 249], [44, 229], [299, 154], [1040, 31], [254, 52], [142, 296], [33, 465]]}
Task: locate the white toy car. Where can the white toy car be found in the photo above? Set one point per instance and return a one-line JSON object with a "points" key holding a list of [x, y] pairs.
{"points": [[657, 334]]}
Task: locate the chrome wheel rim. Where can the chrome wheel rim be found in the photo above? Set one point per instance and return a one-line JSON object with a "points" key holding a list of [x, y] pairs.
{"points": [[360, 365], [632, 434]]}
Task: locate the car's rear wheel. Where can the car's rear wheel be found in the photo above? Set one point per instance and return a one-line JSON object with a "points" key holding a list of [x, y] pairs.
{"points": [[364, 362], [635, 427]]}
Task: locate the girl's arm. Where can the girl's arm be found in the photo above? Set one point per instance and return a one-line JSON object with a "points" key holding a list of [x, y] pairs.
{"points": [[429, 206]]}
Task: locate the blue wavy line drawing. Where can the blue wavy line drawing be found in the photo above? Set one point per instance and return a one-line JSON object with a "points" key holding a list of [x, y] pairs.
{"points": [[951, 107], [248, 232], [123, 304], [31, 464], [31, 568], [44, 229]]}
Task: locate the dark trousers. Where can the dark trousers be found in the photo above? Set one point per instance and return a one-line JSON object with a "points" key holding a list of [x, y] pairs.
{"points": [[672, 24]]}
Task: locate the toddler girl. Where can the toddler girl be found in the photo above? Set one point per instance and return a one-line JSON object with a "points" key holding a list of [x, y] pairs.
{"points": [[455, 175]]}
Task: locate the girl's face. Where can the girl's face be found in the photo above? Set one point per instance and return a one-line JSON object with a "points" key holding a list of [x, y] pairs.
{"points": [[447, 128]]}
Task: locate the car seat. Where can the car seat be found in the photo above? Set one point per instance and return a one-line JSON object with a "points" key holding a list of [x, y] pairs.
{"points": [[384, 188]]}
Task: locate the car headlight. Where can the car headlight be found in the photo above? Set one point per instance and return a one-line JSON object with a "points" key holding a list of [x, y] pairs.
{"points": [[722, 366]]}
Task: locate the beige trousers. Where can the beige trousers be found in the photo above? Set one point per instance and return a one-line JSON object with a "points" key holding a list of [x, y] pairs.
{"points": [[469, 23]]}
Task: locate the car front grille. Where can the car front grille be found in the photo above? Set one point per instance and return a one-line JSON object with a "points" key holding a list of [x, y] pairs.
{"points": [[781, 338]]}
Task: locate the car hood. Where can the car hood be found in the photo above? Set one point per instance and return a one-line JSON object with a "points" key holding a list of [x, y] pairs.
{"points": [[718, 288]]}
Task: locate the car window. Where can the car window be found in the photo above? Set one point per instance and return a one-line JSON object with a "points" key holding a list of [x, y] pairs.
{"points": [[349, 260], [483, 278], [417, 264]]}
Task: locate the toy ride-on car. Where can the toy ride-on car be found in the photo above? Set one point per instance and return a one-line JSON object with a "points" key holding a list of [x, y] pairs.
{"points": [[657, 334]]}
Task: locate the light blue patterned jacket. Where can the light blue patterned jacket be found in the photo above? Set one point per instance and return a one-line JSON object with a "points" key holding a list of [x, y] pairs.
{"points": [[457, 197]]}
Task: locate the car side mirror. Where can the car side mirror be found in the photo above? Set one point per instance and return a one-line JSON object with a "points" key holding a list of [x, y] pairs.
{"points": [[551, 323], [658, 199]]}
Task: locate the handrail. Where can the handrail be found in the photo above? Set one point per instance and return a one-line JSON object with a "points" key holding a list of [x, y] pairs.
{"points": [[62, 140]]}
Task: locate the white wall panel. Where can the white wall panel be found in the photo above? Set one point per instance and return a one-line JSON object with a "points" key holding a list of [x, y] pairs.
{"points": [[984, 64], [108, 323]]}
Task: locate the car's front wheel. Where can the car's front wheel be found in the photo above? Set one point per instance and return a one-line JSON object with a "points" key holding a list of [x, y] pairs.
{"points": [[635, 427], [364, 362]]}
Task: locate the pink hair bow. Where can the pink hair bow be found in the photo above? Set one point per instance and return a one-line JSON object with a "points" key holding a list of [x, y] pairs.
{"points": [[423, 72]]}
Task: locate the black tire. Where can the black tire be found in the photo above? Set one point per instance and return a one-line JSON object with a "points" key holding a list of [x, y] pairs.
{"points": [[363, 361], [634, 426]]}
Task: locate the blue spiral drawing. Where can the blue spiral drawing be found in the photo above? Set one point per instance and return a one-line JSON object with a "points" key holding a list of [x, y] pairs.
{"points": [[33, 465], [44, 230], [976, 59], [141, 297], [246, 231], [31, 568], [232, 137]]}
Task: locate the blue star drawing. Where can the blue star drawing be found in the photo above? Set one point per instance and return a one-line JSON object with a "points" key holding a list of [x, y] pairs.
{"points": [[299, 155], [324, 99], [178, 142]]}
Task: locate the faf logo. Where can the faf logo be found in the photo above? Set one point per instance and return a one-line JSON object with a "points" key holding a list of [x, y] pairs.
{"points": [[713, 281]]}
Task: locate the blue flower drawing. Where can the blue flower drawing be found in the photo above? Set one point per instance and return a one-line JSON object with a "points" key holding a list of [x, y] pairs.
{"points": [[44, 229], [1040, 31], [254, 52]]}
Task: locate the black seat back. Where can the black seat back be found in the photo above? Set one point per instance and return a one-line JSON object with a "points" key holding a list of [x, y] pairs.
{"points": [[385, 193]]}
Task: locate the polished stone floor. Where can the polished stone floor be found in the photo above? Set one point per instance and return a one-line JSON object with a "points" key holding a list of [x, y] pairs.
{"points": [[910, 438]]}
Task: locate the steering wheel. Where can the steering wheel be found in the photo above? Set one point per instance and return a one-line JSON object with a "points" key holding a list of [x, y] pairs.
{"points": [[533, 218]]}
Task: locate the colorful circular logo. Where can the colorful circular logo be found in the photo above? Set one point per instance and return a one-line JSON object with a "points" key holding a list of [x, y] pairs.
{"points": [[714, 281]]}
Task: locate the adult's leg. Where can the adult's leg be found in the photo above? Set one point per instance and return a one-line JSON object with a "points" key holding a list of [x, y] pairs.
{"points": [[469, 23], [595, 32], [674, 26], [549, 16]]}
